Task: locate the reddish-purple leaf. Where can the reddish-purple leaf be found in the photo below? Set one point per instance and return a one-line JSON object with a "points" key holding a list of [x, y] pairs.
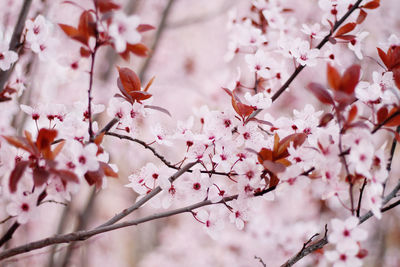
{"points": [[371, 5], [382, 114], [321, 93], [361, 16], [345, 29], [16, 175], [350, 79], [325, 119], [40, 176], [145, 27], [333, 77]]}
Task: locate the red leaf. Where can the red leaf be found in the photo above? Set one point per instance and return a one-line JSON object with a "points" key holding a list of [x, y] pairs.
{"points": [[138, 49], [85, 52], [382, 114], [40, 176], [395, 121], [130, 81], [385, 59], [371, 5], [87, 25], [350, 79], [105, 5], [333, 77], [352, 114], [107, 170], [16, 175], [361, 16], [18, 142], [67, 176], [298, 139], [321, 93], [325, 119], [73, 33], [347, 37], [264, 154], [94, 178], [346, 28], [274, 167], [139, 96], [396, 76], [44, 140], [145, 27]]}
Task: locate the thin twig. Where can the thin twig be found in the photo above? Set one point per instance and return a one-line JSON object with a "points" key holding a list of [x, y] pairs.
{"points": [[260, 260], [159, 156], [360, 197], [147, 197], [389, 164], [307, 248]]}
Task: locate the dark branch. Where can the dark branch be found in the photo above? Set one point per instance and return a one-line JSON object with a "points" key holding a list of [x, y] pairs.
{"points": [[110, 226], [297, 71], [15, 40], [159, 156]]}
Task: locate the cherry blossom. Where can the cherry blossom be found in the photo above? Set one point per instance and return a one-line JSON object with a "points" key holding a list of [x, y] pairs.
{"points": [[7, 57], [346, 234], [123, 30], [303, 54], [23, 207]]}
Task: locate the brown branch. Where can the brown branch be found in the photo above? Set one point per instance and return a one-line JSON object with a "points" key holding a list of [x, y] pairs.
{"points": [[159, 156], [15, 40], [322, 242], [159, 32], [297, 71], [84, 235], [147, 197], [260, 260], [8, 235], [307, 249]]}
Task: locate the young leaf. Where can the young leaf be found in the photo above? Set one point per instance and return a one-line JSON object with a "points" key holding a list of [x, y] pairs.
{"points": [[350, 79], [345, 29], [371, 5], [129, 80], [382, 114], [361, 16], [333, 77], [321, 93], [16, 175]]}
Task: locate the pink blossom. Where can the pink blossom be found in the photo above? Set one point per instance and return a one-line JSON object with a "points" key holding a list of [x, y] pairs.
{"points": [[7, 57], [123, 30]]}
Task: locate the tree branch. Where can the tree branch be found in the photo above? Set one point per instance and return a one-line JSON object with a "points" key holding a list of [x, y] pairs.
{"points": [[307, 248], [15, 40], [297, 71], [147, 197], [110, 226], [159, 156]]}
